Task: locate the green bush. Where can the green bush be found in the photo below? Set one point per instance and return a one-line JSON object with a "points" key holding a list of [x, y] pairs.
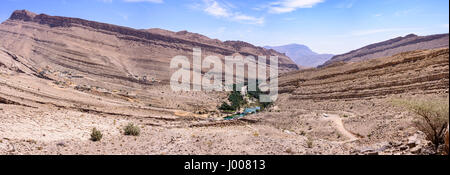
{"points": [[226, 107], [236, 101], [132, 129], [96, 135], [256, 94]]}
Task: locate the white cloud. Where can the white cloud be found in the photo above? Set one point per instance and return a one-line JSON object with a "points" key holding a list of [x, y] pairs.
{"points": [[375, 31], [224, 10], [346, 4], [248, 19], [213, 8], [152, 1], [286, 6]]}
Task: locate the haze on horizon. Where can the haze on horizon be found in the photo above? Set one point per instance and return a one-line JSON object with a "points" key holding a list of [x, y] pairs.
{"points": [[326, 26]]}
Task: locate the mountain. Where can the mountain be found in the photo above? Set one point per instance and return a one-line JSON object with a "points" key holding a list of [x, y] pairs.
{"points": [[302, 55], [109, 52], [393, 46], [414, 72]]}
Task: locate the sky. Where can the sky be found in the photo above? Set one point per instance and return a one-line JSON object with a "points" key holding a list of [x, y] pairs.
{"points": [[326, 26]]}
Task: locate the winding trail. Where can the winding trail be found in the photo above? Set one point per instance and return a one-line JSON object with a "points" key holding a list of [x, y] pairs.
{"points": [[336, 119]]}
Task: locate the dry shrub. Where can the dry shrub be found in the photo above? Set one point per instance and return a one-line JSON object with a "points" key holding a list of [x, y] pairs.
{"points": [[96, 135], [310, 142], [132, 129], [431, 117]]}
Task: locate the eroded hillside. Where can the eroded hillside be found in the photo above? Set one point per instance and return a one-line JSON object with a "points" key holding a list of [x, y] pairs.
{"points": [[391, 47]]}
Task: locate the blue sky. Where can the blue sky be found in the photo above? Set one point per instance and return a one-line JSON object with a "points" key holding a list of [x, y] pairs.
{"points": [[326, 26]]}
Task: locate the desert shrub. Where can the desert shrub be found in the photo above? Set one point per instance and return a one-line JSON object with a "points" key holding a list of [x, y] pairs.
{"points": [[310, 142], [96, 135], [236, 101], [225, 107], [432, 117], [255, 93], [132, 129], [264, 105]]}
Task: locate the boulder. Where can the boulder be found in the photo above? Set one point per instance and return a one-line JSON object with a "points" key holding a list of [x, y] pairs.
{"points": [[366, 149], [416, 150], [412, 141], [372, 153]]}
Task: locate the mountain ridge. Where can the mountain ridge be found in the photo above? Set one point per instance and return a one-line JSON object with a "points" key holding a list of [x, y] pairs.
{"points": [[224, 48], [391, 47], [109, 52], [302, 54]]}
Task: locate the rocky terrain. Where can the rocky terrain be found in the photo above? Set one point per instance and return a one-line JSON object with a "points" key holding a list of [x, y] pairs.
{"points": [[391, 47], [61, 77], [361, 94], [302, 55]]}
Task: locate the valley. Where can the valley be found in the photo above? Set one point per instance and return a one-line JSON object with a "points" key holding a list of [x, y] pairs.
{"points": [[61, 77]]}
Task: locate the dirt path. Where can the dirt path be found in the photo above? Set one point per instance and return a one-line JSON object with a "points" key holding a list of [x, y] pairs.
{"points": [[336, 119]]}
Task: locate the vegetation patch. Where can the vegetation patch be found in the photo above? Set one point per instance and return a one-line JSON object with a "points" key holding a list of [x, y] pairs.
{"points": [[236, 101], [132, 129], [96, 135], [432, 116]]}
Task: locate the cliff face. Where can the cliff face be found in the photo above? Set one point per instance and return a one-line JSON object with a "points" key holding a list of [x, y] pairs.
{"points": [[110, 51], [391, 47]]}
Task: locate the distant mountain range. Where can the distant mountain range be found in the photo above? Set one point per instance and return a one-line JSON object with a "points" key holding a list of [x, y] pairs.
{"points": [[391, 47], [302, 55]]}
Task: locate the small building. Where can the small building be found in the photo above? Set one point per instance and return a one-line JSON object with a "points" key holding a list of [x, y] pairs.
{"points": [[244, 91]]}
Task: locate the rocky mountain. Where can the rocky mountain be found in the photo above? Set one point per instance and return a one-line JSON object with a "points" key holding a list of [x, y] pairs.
{"points": [[109, 52], [393, 46], [302, 55], [422, 71]]}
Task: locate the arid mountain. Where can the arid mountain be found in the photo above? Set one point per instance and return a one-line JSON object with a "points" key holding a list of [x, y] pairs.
{"points": [[415, 71], [393, 46], [302, 55], [112, 53]]}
